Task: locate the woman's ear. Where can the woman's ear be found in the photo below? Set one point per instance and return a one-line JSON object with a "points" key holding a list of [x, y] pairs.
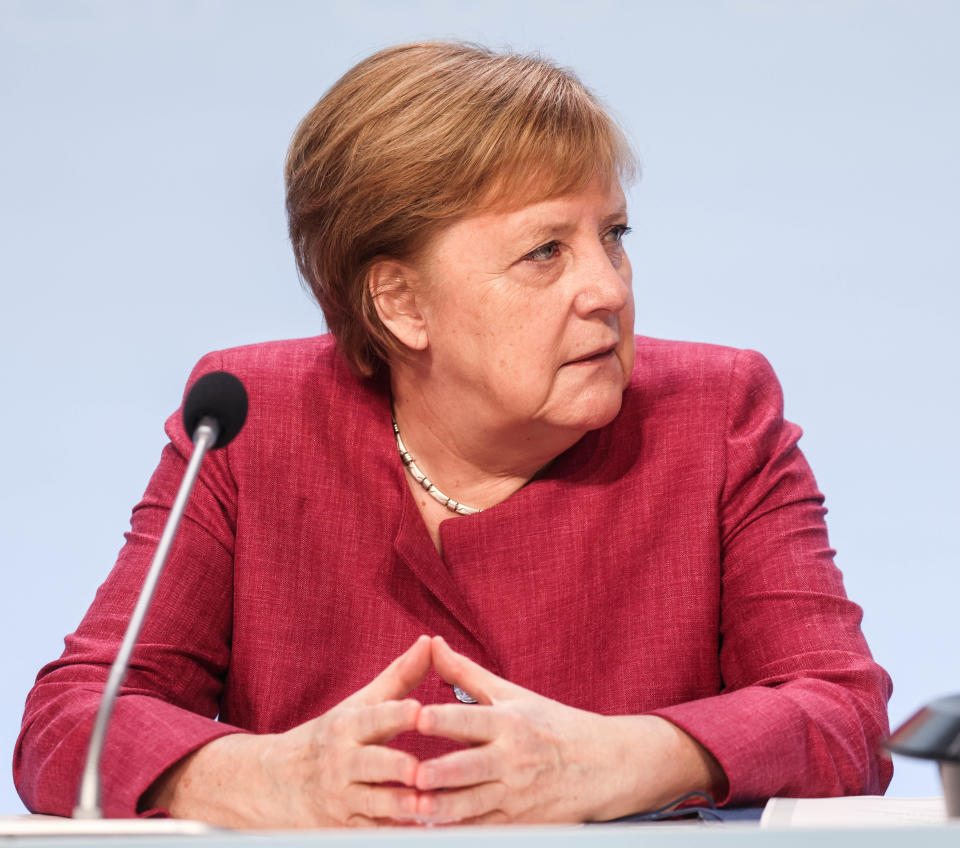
{"points": [[393, 291]]}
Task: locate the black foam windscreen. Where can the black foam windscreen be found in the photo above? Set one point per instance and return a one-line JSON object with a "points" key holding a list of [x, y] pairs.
{"points": [[221, 396]]}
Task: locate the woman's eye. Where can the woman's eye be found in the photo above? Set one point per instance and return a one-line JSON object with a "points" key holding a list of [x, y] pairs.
{"points": [[544, 252], [615, 234]]}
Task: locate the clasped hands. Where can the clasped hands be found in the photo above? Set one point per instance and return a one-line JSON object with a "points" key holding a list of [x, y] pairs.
{"points": [[520, 764], [530, 759]]}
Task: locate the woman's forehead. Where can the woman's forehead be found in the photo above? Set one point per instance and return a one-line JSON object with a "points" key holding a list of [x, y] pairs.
{"points": [[557, 210], [527, 186]]}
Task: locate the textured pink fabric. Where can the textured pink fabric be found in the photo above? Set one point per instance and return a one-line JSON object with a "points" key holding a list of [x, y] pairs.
{"points": [[673, 562]]}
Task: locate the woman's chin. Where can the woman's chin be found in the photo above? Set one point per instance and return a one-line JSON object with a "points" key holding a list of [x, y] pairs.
{"points": [[593, 409]]}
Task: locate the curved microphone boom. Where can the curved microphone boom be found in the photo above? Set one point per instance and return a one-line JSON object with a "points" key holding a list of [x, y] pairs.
{"points": [[213, 413]]}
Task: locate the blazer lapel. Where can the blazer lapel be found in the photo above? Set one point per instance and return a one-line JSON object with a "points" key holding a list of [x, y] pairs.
{"points": [[414, 547]]}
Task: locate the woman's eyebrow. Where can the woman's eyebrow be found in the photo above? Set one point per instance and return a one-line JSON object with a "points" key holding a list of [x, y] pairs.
{"points": [[544, 231], [620, 214]]}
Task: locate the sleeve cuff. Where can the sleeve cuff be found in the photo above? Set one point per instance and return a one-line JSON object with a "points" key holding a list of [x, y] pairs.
{"points": [[146, 737]]}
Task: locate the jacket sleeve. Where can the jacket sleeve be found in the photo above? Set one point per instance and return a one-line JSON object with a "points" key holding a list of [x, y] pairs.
{"points": [[803, 708], [170, 697]]}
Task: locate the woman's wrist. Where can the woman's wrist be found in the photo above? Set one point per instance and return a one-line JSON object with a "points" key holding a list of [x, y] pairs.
{"points": [[196, 786], [648, 762]]}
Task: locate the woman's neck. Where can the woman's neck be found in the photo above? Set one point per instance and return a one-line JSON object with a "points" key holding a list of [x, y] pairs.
{"points": [[462, 450]]}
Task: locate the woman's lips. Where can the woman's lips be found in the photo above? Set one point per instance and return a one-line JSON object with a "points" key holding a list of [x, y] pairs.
{"points": [[590, 358]]}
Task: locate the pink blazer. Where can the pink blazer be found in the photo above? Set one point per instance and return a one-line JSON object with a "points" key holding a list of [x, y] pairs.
{"points": [[675, 562]]}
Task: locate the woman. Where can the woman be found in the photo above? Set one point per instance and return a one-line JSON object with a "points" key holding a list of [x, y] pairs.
{"points": [[613, 544]]}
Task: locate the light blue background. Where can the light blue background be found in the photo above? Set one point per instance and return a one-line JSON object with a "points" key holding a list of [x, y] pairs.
{"points": [[801, 196]]}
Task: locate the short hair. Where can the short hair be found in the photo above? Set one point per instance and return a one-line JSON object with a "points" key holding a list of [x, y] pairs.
{"points": [[415, 137]]}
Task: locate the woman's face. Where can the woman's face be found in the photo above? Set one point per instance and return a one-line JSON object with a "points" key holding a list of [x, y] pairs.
{"points": [[529, 313]]}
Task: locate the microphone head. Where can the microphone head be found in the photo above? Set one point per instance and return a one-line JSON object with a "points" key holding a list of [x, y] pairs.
{"points": [[221, 396]]}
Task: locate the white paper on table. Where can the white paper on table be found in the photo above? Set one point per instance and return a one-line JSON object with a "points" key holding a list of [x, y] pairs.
{"points": [[854, 811]]}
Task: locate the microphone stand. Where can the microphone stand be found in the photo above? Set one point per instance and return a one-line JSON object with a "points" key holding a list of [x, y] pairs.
{"points": [[88, 805]]}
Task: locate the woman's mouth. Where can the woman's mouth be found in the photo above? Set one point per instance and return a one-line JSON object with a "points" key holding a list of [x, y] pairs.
{"points": [[596, 356]]}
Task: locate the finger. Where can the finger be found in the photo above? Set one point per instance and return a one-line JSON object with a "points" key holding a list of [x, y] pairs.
{"points": [[356, 820], [459, 804], [474, 724], [459, 769], [380, 802], [377, 764], [381, 722], [403, 675], [493, 817], [461, 671]]}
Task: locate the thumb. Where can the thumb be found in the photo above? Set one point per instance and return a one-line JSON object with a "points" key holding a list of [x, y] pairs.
{"points": [[474, 679]]}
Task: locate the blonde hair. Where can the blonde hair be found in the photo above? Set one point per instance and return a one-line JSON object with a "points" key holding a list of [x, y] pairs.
{"points": [[415, 137]]}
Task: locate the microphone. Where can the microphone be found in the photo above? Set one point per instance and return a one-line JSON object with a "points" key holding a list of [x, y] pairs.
{"points": [[213, 413], [221, 396]]}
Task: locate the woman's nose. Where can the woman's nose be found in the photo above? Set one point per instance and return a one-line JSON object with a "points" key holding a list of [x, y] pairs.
{"points": [[603, 285]]}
